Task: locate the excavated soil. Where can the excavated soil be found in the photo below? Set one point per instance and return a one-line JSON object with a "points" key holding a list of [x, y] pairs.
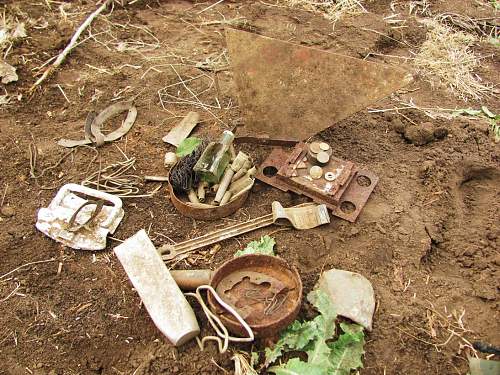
{"points": [[428, 238]]}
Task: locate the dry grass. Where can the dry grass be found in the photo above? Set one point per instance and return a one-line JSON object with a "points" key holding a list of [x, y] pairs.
{"points": [[446, 59], [482, 27], [442, 329], [332, 9], [10, 31], [241, 365]]}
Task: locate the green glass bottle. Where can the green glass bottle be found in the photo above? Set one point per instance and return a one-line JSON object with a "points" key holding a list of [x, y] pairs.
{"points": [[215, 159]]}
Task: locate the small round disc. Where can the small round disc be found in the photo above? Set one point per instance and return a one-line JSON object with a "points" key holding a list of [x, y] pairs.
{"points": [[323, 158], [316, 172], [330, 176], [324, 146], [314, 147]]}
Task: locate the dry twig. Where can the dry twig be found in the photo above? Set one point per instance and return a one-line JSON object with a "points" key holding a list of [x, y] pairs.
{"points": [[70, 46]]}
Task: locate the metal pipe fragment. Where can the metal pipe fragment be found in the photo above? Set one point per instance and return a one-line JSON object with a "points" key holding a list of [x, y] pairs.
{"points": [[214, 188], [251, 172], [241, 192], [191, 279], [201, 190], [232, 151], [193, 198], [242, 171], [224, 183], [241, 184], [225, 198], [200, 205], [235, 166], [156, 178]]}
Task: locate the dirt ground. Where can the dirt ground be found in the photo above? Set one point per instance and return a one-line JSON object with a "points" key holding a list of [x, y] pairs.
{"points": [[428, 238]]}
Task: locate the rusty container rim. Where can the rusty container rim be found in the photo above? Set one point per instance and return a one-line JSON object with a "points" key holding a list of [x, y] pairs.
{"points": [[206, 213], [260, 330]]}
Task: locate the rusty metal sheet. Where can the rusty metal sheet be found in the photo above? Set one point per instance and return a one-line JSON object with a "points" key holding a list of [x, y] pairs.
{"points": [[291, 91], [356, 195], [346, 196]]}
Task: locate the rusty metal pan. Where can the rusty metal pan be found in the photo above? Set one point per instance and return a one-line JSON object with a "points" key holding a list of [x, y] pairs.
{"points": [[284, 277]]}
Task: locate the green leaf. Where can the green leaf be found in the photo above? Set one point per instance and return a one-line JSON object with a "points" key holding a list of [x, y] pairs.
{"points": [[187, 146], [254, 359], [323, 357], [347, 351], [296, 337], [326, 320], [319, 353], [467, 111], [263, 246], [487, 112], [296, 367]]}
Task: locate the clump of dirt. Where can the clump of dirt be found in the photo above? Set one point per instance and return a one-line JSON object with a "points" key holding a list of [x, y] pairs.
{"points": [[421, 134]]}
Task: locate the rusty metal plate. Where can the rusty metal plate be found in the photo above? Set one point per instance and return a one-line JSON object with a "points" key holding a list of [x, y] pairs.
{"points": [[345, 196], [356, 195], [344, 170], [291, 91]]}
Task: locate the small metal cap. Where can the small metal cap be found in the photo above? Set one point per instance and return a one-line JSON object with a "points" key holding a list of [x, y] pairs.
{"points": [[330, 176], [316, 172], [324, 146], [323, 158], [314, 147]]}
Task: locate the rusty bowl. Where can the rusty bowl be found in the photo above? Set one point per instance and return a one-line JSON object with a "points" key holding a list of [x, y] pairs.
{"points": [[262, 324], [206, 213]]}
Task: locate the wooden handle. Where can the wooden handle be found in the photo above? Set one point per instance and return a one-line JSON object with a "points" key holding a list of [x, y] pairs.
{"points": [[191, 279]]}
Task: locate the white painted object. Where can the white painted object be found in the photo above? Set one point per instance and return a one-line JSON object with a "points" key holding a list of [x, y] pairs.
{"points": [[170, 159], [159, 292], [351, 294], [54, 220]]}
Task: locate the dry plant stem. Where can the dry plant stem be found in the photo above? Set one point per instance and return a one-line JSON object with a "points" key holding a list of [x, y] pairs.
{"points": [[70, 46], [4, 194], [26, 265]]}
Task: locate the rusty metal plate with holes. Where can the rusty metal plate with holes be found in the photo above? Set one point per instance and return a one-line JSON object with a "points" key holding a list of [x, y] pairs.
{"points": [[342, 172], [287, 90], [346, 195]]}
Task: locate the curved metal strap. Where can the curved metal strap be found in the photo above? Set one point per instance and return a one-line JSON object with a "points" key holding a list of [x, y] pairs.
{"points": [[99, 205]]}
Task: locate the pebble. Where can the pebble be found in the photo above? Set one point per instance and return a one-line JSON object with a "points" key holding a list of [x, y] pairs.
{"points": [[7, 211], [440, 133], [398, 126], [354, 231], [170, 159]]}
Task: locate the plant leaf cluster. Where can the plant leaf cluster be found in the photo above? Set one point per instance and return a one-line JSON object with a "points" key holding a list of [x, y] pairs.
{"points": [[263, 246], [484, 112], [325, 356], [187, 146]]}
